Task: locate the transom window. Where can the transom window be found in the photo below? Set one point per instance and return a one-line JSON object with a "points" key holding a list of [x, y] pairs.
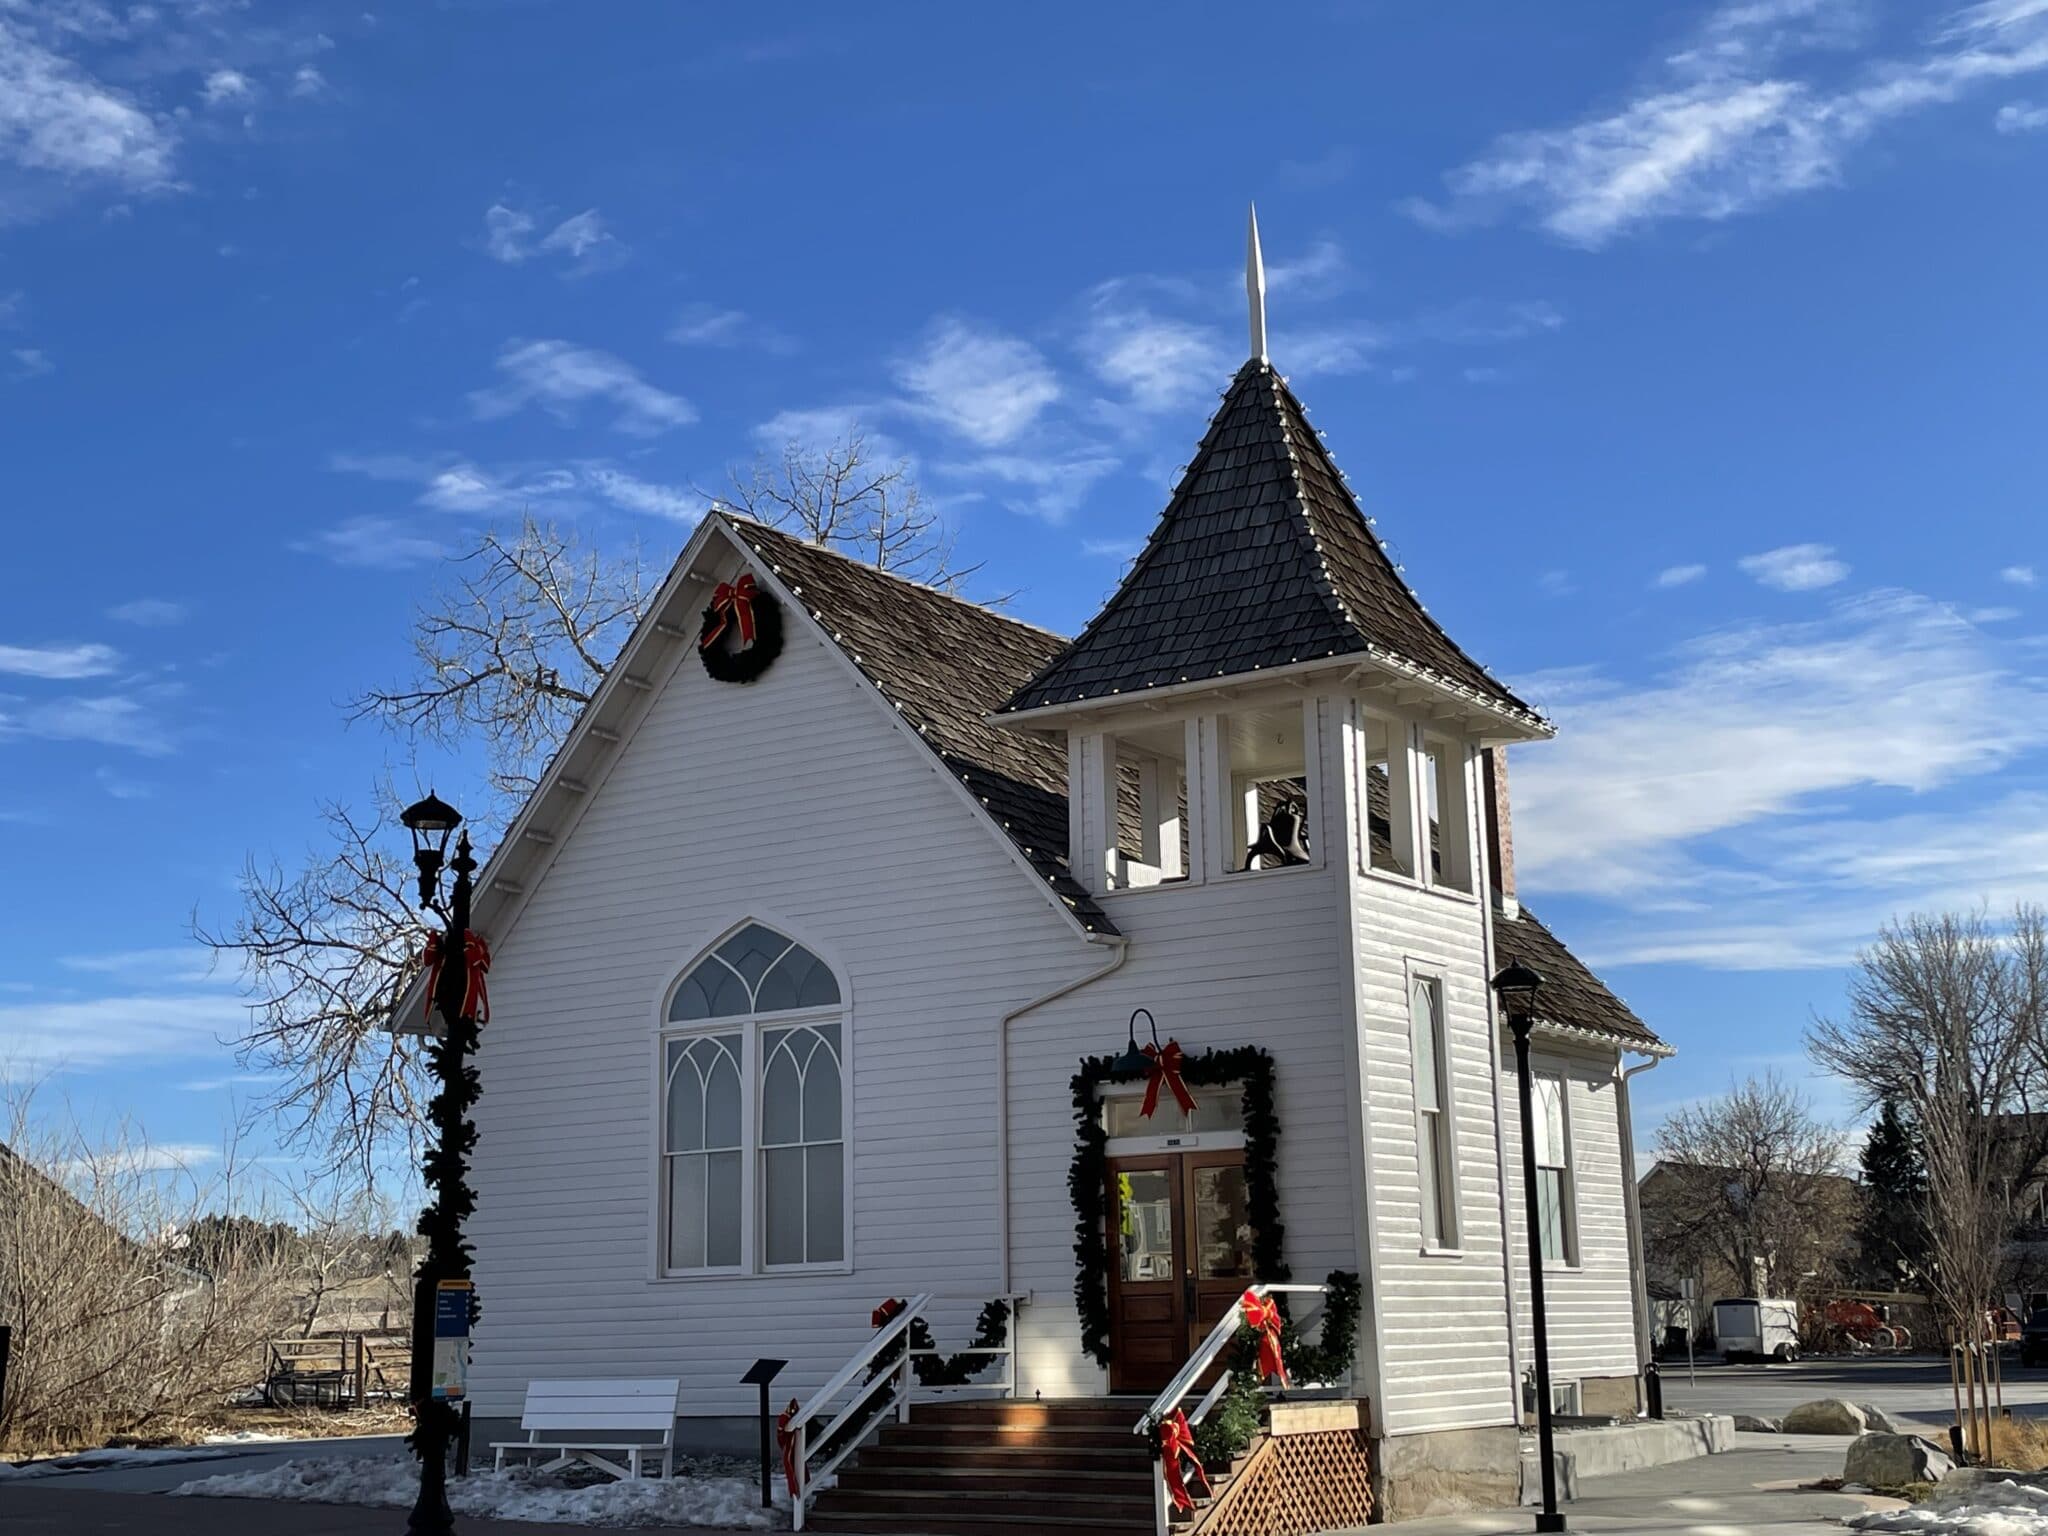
{"points": [[753, 1160]]}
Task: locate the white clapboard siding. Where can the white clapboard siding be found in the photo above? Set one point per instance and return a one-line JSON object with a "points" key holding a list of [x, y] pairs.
{"points": [[1442, 1348], [797, 800], [1253, 961], [1589, 1305]]}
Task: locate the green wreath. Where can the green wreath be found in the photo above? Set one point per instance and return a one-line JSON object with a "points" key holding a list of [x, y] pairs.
{"points": [[729, 658]]}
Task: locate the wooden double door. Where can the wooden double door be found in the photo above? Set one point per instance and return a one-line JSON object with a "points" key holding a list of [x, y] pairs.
{"points": [[1180, 1244]]}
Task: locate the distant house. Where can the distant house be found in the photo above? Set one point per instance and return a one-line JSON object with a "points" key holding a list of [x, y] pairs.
{"points": [[805, 987]]}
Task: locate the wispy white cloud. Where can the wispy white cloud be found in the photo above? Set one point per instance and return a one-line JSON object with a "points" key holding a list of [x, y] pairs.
{"points": [[1750, 110], [373, 543], [1112, 549], [130, 720], [148, 613], [308, 82], [976, 382], [120, 787], [1158, 362], [225, 87], [1040, 486], [814, 424], [582, 239], [56, 118], [559, 377], [712, 325], [632, 494], [1661, 790], [2017, 575], [1320, 272], [1795, 567], [2021, 117], [1678, 576], [58, 662], [467, 487], [149, 1157], [31, 363]]}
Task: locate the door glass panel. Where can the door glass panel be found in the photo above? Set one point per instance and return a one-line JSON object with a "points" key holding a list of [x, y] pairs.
{"points": [[1223, 1227], [1145, 1224]]}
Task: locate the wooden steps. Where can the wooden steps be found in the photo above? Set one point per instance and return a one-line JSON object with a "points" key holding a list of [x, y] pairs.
{"points": [[998, 1469]]}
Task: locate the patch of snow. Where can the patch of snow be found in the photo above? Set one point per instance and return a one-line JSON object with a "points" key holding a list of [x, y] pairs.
{"points": [[240, 1437], [518, 1493], [1974, 1509], [112, 1456]]}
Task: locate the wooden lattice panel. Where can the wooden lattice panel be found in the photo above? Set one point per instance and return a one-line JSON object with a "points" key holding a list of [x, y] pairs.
{"points": [[1294, 1484]]}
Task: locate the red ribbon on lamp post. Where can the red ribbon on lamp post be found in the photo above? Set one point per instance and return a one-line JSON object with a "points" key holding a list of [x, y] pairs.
{"points": [[1262, 1316], [1166, 1065], [1176, 1440], [476, 960]]}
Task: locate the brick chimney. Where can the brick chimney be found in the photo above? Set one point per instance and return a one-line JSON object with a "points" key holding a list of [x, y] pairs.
{"points": [[1500, 827]]}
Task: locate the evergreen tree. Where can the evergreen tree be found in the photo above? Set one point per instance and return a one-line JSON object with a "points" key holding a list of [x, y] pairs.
{"points": [[1893, 1228]]}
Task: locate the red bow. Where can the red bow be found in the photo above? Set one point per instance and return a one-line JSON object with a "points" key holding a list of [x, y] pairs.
{"points": [[733, 600], [476, 956], [1263, 1318], [1175, 1441], [882, 1315], [1166, 1069], [785, 1441]]}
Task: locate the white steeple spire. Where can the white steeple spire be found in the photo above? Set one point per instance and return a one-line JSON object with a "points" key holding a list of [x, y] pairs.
{"points": [[1255, 286]]}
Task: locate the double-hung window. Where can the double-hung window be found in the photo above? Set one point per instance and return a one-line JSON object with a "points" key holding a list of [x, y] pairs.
{"points": [[1433, 1130], [753, 1119], [1553, 1170]]}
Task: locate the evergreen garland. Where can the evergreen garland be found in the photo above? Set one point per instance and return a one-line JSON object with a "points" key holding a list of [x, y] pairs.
{"points": [[446, 1165], [1088, 1178], [991, 1329]]}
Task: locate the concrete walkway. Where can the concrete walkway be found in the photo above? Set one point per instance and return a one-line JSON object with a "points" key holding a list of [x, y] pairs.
{"points": [[1752, 1490]]}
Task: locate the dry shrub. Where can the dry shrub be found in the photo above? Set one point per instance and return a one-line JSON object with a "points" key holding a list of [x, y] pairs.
{"points": [[2021, 1444], [115, 1329]]}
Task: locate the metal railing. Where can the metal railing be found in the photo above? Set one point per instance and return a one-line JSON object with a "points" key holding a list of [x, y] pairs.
{"points": [[1188, 1375], [871, 1401]]}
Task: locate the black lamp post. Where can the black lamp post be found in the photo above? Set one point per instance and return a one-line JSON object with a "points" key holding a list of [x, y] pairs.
{"points": [[450, 1199], [1516, 987]]}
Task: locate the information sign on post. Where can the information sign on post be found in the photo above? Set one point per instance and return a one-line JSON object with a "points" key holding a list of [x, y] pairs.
{"points": [[451, 1340]]}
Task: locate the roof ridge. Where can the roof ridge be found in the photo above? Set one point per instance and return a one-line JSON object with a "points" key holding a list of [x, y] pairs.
{"points": [[740, 523]]}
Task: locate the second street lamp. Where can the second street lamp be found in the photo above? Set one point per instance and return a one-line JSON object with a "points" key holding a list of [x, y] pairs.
{"points": [[1516, 986], [457, 960]]}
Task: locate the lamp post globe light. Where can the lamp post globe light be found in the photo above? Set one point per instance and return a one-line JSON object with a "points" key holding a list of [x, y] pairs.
{"points": [[1516, 987], [455, 959]]}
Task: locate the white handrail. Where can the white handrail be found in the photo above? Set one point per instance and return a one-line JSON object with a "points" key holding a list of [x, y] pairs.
{"points": [[894, 1385], [1184, 1382], [1185, 1378]]}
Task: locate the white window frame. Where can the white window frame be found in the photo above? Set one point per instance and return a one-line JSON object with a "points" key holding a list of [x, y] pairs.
{"points": [[1436, 1144], [1451, 763], [1404, 801], [1568, 1193], [753, 1191]]}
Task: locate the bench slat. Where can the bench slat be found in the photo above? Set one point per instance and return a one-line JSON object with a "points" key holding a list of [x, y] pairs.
{"points": [[651, 1386], [561, 1423]]}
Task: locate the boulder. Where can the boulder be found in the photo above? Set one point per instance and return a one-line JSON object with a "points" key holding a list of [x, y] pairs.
{"points": [[1893, 1461], [1759, 1426], [1826, 1416], [1877, 1419]]}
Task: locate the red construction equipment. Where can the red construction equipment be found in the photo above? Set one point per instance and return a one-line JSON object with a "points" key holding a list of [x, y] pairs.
{"points": [[1861, 1326]]}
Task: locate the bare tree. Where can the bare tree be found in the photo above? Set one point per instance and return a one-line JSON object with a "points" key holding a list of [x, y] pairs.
{"points": [[1752, 1186], [1945, 1018], [841, 495], [506, 655], [511, 651]]}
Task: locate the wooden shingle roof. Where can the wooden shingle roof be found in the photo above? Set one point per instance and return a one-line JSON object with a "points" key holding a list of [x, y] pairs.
{"points": [[1262, 559], [1571, 994]]}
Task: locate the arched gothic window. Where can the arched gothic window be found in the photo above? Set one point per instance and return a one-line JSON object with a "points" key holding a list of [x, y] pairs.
{"points": [[753, 1110]]}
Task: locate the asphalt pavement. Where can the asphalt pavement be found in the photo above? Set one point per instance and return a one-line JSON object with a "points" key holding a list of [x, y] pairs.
{"points": [[1912, 1387]]}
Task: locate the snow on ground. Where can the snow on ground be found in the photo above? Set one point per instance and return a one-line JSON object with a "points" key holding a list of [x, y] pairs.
{"points": [[241, 1437], [1973, 1509], [114, 1456], [518, 1493]]}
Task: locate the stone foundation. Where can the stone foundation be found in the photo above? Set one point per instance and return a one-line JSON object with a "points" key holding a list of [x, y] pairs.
{"points": [[1602, 1397], [1446, 1472]]}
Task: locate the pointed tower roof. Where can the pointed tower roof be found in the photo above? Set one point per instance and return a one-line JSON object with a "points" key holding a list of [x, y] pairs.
{"points": [[1261, 560]]}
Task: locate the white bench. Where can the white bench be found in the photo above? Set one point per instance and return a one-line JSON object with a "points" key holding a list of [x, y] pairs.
{"points": [[579, 1420]]}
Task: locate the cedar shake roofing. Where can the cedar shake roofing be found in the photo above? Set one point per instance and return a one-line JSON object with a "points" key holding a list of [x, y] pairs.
{"points": [[1571, 995], [946, 664], [1262, 559]]}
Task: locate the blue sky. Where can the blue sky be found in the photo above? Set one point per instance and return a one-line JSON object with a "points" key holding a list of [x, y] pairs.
{"points": [[1688, 355]]}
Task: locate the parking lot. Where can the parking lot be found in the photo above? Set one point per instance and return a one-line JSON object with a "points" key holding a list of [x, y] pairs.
{"points": [[1910, 1386]]}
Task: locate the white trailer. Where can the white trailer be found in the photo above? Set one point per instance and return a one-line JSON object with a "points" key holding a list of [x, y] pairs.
{"points": [[1753, 1328]]}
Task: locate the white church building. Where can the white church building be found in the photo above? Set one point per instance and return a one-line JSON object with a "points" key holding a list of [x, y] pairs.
{"points": [[814, 947]]}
